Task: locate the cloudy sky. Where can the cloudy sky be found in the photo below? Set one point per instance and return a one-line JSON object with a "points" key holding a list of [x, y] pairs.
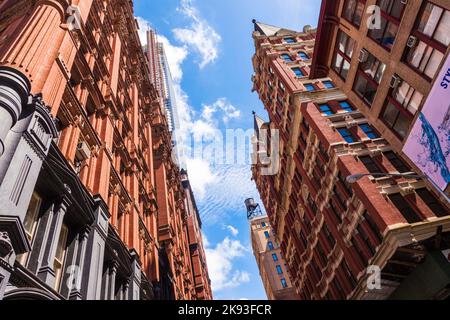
{"points": [[209, 48]]}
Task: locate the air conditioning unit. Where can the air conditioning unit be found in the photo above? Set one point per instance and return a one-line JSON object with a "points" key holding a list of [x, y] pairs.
{"points": [[412, 41], [83, 151], [363, 55], [395, 81]]}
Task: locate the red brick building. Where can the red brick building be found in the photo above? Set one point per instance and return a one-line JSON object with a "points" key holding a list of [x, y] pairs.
{"points": [[87, 181], [332, 233]]}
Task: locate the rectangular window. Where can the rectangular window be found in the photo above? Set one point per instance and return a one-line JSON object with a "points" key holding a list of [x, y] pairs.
{"points": [[370, 72], [270, 245], [263, 224], [329, 236], [405, 208], [309, 87], [31, 221], [402, 104], [303, 55], [369, 131], [286, 57], [290, 40], [275, 257], [398, 164], [373, 226], [433, 203], [343, 53], [325, 109], [328, 84], [431, 38], [353, 11], [391, 15], [58, 263], [335, 211], [266, 234], [345, 106], [349, 273], [279, 270], [284, 283], [371, 165], [298, 72], [347, 135]]}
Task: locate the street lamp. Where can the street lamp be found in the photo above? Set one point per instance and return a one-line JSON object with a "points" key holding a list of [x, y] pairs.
{"points": [[356, 177]]}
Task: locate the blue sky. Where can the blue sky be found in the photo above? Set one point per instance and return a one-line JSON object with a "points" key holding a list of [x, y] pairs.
{"points": [[209, 46]]}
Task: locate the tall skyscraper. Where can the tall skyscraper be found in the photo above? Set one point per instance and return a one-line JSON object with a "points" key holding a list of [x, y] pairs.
{"points": [[162, 78], [179, 223], [334, 233]]}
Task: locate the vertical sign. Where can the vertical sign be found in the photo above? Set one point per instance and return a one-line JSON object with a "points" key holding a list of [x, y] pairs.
{"points": [[428, 145]]}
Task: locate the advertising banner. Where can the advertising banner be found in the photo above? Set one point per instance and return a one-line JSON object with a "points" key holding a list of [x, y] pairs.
{"points": [[428, 145]]}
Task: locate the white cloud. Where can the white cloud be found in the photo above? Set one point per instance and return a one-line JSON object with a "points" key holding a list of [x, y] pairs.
{"points": [[232, 230], [175, 56], [222, 104], [200, 176], [199, 36], [220, 265]]}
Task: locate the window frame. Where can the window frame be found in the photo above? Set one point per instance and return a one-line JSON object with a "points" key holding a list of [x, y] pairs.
{"points": [[390, 19], [428, 41], [352, 22], [343, 54]]}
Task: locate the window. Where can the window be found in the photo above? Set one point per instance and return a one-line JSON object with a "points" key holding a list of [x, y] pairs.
{"points": [[266, 234], [347, 135], [303, 55], [270, 245], [284, 283], [31, 221], [391, 14], [433, 37], [298, 72], [290, 40], [279, 270], [369, 131], [310, 87], [370, 164], [398, 164], [402, 104], [438, 209], [263, 224], [345, 106], [328, 84], [343, 54], [405, 208], [58, 263], [368, 77], [349, 272], [275, 257], [353, 11], [329, 236], [373, 226], [335, 211], [286, 57], [325, 109]]}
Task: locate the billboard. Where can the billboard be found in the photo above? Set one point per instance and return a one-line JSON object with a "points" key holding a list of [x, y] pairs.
{"points": [[428, 144]]}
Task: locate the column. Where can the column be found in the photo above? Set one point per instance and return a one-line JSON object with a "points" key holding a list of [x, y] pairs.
{"points": [[134, 291], [112, 281], [95, 245], [75, 293], [46, 272], [34, 49]]}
